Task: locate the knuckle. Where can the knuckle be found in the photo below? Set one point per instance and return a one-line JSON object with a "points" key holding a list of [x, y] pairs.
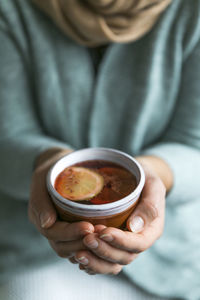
{"points": [[151, 210], [81, 226], [84, 226], [151, 179], [156, 181], [104, 253]]}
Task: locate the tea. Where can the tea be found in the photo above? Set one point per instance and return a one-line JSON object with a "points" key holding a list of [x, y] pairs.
{"points": [[95, 182]]}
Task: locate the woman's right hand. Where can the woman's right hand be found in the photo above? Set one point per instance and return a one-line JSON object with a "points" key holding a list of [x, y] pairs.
{"points": [[65, 238]]}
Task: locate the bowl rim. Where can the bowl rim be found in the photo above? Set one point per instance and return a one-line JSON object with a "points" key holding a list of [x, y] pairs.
{"points": [[97, 207]]}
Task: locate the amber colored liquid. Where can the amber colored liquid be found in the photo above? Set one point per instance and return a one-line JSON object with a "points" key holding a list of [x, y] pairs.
{"points": [[118, 181]]}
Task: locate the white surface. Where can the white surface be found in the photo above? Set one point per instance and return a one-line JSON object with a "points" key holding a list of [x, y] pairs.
{"points": [[63, 281]]}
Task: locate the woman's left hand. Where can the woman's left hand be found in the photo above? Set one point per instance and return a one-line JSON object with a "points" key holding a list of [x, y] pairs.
{"points": [[112, 248]]}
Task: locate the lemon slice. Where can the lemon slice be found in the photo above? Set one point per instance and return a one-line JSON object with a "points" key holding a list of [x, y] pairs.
{"points": [[77, 184]]}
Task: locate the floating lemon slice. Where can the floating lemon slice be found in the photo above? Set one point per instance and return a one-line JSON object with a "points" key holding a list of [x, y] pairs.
{"points": [[77, 184]]}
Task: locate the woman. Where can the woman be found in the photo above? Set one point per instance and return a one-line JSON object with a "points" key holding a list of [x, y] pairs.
{"points": [[119, 74]]}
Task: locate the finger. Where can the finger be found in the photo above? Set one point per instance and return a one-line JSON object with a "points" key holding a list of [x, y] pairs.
{"points": [[90, 272], [72, 260], [146, 221], [87, 270], [41, 210], [107, 252], [96, 264], [124, 240], [66, 232], [98, 228], [150, 208], [43, 215], [67, 249]]}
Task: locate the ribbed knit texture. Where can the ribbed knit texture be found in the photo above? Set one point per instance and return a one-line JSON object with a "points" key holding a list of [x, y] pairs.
{"points": [[64, 281], [145, 99]]}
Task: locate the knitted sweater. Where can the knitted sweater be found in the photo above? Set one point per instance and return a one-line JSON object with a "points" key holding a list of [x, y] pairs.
{"points": [[144, 100]]}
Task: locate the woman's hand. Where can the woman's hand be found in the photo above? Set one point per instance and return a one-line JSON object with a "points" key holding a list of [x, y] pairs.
{"points": [[111, 248], [65, 238]]}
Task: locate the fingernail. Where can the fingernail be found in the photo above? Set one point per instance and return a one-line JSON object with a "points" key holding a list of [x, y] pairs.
{"points": [[137, 224], [106, 237], [83, 260], [45, 218], [93, 244]]}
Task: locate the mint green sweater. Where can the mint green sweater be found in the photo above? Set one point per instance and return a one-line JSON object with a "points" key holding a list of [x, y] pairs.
{"points": [[144, 100]]}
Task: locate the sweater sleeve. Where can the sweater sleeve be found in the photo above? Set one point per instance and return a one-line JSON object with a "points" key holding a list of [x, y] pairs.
{"points": [[180, 145], [21, 136]]}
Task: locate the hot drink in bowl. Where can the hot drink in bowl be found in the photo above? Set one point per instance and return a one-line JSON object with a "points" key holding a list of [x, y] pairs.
{"points": [[98, 185], [95, 182]]}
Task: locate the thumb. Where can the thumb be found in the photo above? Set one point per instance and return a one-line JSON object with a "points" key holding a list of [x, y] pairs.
{"points": [[136, 222], [41, 209], [150, 206], [47, 214]]}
